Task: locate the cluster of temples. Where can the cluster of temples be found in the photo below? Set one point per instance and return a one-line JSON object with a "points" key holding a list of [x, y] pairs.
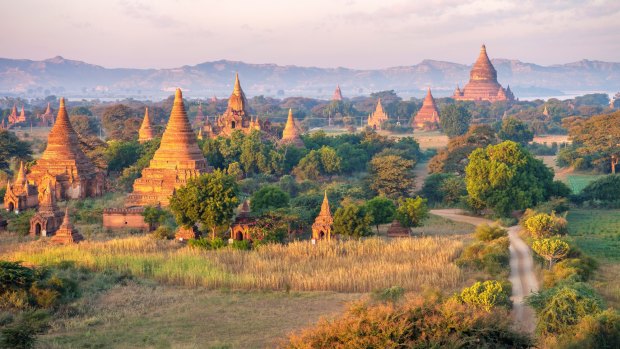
{"points": [[483, 85]]}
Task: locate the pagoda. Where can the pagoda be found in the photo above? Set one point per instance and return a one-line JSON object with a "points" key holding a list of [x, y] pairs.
{"points": [[14, 118], [244, 223], [236, 116], [21, 195], [47, 118], [378, 117], [337, 96], [427, 117], [200, 117], [324, 222], [48, 218], [483, 85], [64, 165], [290, 135], [177, 160], [146, 132], [67, 234]]}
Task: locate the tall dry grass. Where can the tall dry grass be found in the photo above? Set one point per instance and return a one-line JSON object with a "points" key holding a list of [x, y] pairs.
{"points": [[349, 266]]}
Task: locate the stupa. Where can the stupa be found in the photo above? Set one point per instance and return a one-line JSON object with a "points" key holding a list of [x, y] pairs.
{"points": [[337, 96], [146, 132], [236, 116], [48, 218], [290, 135], [47, 118], [64, 165], [21, 195], [200, 117], [177, 160], [14, 118], [67, 234], [427, 117], [378, 117], [483, 85], [324, 222], [244, 223]]}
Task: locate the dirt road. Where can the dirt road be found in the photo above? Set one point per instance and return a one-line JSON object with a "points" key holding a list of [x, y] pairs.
{"points": [[522, 274]]}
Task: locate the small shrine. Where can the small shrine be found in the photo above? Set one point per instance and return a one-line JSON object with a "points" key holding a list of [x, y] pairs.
{"points": [[324, 222]]}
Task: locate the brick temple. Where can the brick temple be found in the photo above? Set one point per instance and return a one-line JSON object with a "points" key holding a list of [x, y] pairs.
{"points": [[66, 233], [483, 85], [337, 96], [324, 222], [290, 135], [378, 117], [20, 195], [177, 160], [47, 118], [427, 117], [64, 166]]}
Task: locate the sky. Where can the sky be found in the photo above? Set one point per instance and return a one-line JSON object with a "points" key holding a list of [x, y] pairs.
{"points": [[360, 34]]}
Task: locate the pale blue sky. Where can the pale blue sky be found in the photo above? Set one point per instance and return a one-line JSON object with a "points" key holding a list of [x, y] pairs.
{"points": [[325, 33]]}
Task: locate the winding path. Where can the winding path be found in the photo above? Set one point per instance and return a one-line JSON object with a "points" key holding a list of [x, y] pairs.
{"points": [[522, 274]]}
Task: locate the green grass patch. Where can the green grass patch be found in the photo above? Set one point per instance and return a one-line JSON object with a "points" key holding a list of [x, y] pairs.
{"points": [[596, 232], [577, 181]]}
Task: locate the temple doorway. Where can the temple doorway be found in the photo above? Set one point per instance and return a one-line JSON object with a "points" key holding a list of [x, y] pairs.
{"points": [[233, 124], [239, 236], [11, 207], [37, 229], [321, 235]]}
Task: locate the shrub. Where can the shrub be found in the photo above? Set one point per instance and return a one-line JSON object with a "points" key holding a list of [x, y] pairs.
{"points": [[20, 223], [561, 307], [544, 225], [207, 243], [571, 269], [243, 245], [486, 232], [605, 190], [163, 233], [492, 257], [487, 295], [22, 333], [555, 204], [391, 294], [595, 331], [14, 276], [551, 249]]}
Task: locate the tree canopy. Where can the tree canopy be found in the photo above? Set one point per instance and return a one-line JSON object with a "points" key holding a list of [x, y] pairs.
{"points": [[454, 120], [515, 130], [11, 148]]}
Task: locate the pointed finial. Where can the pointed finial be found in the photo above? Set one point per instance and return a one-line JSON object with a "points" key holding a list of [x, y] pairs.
{"points": [[62, 102], [178, 94]]}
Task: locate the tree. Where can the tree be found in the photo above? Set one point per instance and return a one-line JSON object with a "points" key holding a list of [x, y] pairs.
{"points": [[155, 215], [209, 199], [487, 295], [452, 189], [597, 139], [85, 126], [551, 249], [121, 122], [455, 157], [544, 225], [11, 148], [505, 177], [411, 212], [267, 198], [330, 161], [352, 220], [392, 176], [515, 130], [454, 120], [381, 209], [120, 155]]}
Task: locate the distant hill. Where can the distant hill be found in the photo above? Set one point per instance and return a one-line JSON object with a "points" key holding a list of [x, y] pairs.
{"points": [[27, 78]]}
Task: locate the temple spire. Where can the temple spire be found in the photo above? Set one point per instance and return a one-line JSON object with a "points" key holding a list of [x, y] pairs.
{"points": [[66, 222], [325, 210], [146, 132], [21, 174], [237, 89], [290, 135]]}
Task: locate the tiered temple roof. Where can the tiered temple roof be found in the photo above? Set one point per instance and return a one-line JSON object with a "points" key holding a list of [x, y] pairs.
{"points": [[47, 118], [48, 218], [64, 163], [67, 234], [428, 116], [146, 132], [378, 117], [290, 135], [483, 85], [236, 116], [337, 94], [21, 195], [177, 160], [14, 118], [323, 224]]}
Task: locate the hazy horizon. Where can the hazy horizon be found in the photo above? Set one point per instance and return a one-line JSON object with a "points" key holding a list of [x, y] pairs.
{"points": [[359, 34]]}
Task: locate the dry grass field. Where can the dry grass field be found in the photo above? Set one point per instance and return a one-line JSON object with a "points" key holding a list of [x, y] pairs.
{"points": [[431, 140]]}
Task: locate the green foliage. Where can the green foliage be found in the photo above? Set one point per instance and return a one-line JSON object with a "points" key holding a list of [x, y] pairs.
{"points": [[352, 220], [454, 120], [20, 223], [163, 233], [243, 245], [454, 158], [14, 276], [505, 177], [317, 163], [515, 130], [391, 176], [595, 331], [544, 225], [207, 243], [121, 123], [122, 154], [11, 147], [412, 212], [431, 189], [570, 269], [487, 295], [595, 140], [551, 249], [391, 294], [486, 232], [491, 256], [209, 199], [133, 171], [22, 333], [602, 192], [381, 209], [268, 198], [560, 308], [155, 215]]}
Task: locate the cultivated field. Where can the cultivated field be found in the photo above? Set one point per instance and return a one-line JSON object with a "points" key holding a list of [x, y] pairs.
{"points": [[579, 181]]}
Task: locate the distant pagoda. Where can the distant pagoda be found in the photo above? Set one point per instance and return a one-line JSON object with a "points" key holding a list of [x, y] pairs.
{"points": [[48, 218], [236, 116], [47, 118], [337, 96], [177, 160], [21, 195], [16, 119], [64, 165], [378, 117], [324, 222], [200, 117], [290, 135], [483, 85], [427, 117], [146, 132]]}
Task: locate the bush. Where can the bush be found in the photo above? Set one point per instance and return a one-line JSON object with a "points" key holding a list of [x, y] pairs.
{"points": [[571, 269], [555, 204], [603, 192], [561, 307], [22, 333], [543, 225], [20, 223], [163, 233], [391, 294], [487, 232], [487, 295], [207, 243], [492, 257], [595, 331], [243, 245]]}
